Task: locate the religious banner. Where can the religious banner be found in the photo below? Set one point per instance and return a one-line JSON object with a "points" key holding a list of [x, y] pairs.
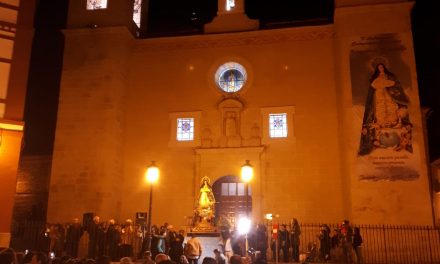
{"points": [[384, 109]]}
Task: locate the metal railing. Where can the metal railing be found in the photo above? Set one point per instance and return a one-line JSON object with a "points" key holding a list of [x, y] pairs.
{"points": [[383, 243]]}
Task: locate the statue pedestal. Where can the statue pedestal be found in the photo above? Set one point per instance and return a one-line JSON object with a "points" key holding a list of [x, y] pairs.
{"points": [[209, 241]]}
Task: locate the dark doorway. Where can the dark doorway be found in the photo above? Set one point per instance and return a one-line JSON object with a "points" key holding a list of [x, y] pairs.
{"points": [[230, 197]]}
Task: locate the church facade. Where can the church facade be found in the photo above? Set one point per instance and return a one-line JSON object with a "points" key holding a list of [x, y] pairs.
{"points": [[327, 115]]}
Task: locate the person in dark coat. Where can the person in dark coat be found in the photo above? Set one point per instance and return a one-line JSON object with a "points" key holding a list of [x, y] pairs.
{"points": [[295, 232], [96, 238], [325, 243], [261, 241], [284, 243], [73, 235], [357, 243], [113, 238], [176, 245]]}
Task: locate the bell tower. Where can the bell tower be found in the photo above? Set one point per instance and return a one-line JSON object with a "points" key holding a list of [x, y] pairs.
{"points": [[230, 18]]}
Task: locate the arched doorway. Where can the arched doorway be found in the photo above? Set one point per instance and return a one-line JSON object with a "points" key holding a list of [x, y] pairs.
{"points": [[230, 197]]}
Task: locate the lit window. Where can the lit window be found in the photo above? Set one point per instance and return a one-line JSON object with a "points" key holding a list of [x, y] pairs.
{"points": [[225, 189], [240, 189], [230, 4], [185, 129], [96, 4], [232, 189], [137, 12], [278, 125]]}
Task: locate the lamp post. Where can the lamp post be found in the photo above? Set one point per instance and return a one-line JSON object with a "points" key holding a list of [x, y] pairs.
{"points": [[247, 173], [151, 175]]}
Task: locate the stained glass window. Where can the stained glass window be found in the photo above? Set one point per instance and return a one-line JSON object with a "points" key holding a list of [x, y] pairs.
{"points": [[185, 129], [96, 4], [231, 77], [137, 12], [278, 125]]}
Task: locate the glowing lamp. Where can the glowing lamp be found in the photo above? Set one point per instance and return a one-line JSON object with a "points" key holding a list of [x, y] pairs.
{"points": [[247, 172], [152, 173], [244, 225]]}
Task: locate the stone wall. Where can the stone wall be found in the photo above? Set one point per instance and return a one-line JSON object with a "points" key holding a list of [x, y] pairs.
{"points": [[87, 165], [32, 189]]}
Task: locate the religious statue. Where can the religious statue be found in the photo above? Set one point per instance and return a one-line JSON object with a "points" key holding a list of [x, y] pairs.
{"points": [[205, 210]]}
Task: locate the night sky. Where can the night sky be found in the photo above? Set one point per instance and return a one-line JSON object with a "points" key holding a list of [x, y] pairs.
{"points": [[47, 51]]}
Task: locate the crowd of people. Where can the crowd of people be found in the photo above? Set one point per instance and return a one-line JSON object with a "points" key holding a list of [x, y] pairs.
{"points": [[95, 240], [343, 244]]}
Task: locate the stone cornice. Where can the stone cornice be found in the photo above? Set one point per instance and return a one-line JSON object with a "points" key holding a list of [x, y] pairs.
{"points": [[229, 150], [97, 31], [251, 38], [360, 9]]}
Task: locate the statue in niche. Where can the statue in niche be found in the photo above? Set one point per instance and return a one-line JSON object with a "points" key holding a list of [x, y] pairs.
{"points": [[230, 124], [232, 134]]}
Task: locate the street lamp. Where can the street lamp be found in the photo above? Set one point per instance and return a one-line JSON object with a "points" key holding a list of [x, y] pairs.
{"points": [[151, 175], [247, 172]]}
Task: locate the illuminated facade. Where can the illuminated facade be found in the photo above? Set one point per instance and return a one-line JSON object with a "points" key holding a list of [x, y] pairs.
{"points": [[15, 44], [293, 103]]}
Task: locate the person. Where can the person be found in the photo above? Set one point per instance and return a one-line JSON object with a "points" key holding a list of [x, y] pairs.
{"points": [[226, 245], [161, 257], [125, 260], [295, 232], [347, 240], [154, 241], [73, 236], [235, 259], [39, 258], [382, 108], [113, 238], [219, 256], [127, 238], [261, 241], [96, 240], [161, 236], [283, 242], [103, 260], [357, 245], [324, 242], [209, 260], [8, 255], [193, 250], [176, 244]]}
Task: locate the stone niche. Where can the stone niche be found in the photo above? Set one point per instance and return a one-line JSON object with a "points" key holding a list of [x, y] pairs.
{"points": [[230, 110]]}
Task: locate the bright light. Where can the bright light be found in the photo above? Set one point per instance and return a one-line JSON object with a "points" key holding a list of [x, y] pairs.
{"points": [[247, 172], [244, 225], [152, 173], [268, 216]]}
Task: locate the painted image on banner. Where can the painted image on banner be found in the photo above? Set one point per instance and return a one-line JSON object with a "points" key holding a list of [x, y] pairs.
{"points": [[381, 88]]}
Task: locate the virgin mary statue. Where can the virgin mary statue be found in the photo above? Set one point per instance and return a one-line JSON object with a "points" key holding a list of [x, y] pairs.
{"points": [[205, 207]]}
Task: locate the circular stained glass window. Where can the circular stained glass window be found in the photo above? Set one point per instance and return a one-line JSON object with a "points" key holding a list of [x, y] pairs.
{"points": [[230, 77]]}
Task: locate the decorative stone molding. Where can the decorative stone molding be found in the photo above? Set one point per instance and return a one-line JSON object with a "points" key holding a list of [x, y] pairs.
{"points": [[260, 37]]}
